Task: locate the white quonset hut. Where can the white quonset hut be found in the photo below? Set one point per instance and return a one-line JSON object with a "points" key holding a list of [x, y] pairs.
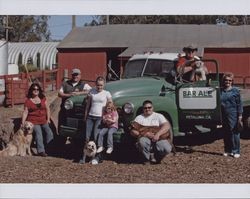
{"points": [[43, 55]]}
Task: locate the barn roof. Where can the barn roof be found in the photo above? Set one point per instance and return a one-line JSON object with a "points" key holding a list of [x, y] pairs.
{"points": [[47, 52], [137, 38]]}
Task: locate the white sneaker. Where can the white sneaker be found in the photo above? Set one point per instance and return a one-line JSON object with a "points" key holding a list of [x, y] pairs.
{"points": [[100, 149], [236, 155], [109, 150], [94, 162], [228, 154]]}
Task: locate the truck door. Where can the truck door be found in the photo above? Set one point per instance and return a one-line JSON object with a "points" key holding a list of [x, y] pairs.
{"points": [[199, 102]]}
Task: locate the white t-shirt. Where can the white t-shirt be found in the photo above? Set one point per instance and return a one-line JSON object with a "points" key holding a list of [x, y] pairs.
{"points": [[155, 119], [99, 100]]}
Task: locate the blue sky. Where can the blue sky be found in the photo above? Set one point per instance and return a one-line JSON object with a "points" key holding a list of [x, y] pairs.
{"points": [[60, 25]]}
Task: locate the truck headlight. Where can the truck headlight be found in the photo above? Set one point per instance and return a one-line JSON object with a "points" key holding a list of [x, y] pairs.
{"points": [[68, 104], [128, 108]]}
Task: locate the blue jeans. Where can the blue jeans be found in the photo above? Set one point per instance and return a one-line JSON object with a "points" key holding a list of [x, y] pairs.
{"points": [[103, 132], [93, 124], [231, 141], [160, 150], [39, 129]]}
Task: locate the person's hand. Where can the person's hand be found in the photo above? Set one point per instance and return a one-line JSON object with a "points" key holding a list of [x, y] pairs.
{"points": [[156, 138], [240, 124], [74, 93], [149, 135]]}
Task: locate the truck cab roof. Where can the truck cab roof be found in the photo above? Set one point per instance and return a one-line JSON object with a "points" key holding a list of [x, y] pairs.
{"points": [[164, 56]]}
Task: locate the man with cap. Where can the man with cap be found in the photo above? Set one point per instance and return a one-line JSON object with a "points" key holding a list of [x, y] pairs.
{"points": [[72, 87], [186, 64]]}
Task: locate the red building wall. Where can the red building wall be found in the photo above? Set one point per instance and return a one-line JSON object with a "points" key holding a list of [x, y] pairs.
{"points": [[91, 64], [235, 60]]}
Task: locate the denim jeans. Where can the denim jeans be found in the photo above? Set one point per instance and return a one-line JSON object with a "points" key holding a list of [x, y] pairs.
{"points": [[39, 129], [92, 124], [103, 132], [231, 141], [161, 148]]}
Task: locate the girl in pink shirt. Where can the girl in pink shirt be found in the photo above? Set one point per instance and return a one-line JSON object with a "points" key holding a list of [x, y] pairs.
{"points": [[110, 126]]}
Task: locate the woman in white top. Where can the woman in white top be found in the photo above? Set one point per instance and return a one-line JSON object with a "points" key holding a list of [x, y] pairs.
{"points": [[97, 99]]}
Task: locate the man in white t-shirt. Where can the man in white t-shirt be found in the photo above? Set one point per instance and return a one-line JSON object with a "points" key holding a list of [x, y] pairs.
{"points": [[150, 145]]}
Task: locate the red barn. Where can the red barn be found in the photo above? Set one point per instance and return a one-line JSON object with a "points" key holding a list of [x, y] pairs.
{"points": [[92, 48]]}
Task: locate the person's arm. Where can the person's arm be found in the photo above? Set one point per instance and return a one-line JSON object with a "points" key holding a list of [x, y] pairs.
{"points": [[135, 133], [47, 111], [25, 114], [164, 128], [85, 90], [113, 119], [62, 94], [87, 107]]}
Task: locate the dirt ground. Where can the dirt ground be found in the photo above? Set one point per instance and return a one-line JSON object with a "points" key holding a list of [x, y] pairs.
{"points": [[202, 163]]}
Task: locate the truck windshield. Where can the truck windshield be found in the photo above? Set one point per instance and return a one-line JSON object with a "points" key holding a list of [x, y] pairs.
{"points": [[157, 67], [134, 68], [154, 67]]}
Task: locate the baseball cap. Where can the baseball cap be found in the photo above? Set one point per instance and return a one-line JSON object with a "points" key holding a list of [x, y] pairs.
{"points": [[76, 71], [190, 47]]}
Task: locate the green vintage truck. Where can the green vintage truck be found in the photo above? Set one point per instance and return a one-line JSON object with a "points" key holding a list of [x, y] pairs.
{"points": [[151, 76]]}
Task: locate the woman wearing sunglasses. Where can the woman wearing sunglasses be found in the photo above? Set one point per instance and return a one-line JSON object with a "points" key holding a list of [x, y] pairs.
{"points": [[232, 110], [36, 111]]}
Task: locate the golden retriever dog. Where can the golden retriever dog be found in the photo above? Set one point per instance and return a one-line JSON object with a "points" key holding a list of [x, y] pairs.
{"points": [[20, 143], [153, 129]]}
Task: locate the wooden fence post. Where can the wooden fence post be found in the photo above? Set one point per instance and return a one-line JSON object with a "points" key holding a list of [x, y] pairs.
{"points": [[58, 82], [44, 79]]}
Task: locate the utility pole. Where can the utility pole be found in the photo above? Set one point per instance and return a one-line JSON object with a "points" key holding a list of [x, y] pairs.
{"points": [[73, 21], [6, 26]]}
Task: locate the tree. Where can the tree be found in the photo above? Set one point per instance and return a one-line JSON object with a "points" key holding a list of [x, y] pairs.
{"points": [[171, 19], [27, 28]]}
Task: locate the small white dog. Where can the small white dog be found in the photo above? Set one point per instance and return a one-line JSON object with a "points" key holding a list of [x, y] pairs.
{"points": [[89, 150], [200, 71]]}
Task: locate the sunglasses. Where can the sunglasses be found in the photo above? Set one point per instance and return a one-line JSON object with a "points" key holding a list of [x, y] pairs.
{"points": [[147, 107], [35, 89]]}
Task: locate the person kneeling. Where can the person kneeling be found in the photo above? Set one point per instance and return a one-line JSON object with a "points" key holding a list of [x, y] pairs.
{"points": [[153, 145]]}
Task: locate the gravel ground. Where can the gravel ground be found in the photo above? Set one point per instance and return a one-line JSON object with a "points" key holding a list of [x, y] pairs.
{"points": [[202, 163]]}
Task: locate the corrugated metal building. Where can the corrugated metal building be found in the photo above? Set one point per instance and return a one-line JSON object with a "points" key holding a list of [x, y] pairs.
{"points": [[91, 48], [43, 54]]}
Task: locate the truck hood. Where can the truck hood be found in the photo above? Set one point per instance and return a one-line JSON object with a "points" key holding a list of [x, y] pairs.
{"points": [[143, 86]]}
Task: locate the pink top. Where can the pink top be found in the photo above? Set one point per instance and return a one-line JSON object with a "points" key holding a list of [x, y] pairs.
{"points": [[111, 115]]}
